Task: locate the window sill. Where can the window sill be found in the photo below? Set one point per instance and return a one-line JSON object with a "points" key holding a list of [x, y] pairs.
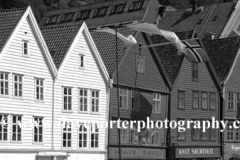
{"points": [[204, 109], [156, 113], [4, 141], [16, 142], [212, 109], [38, 143], [195, 108], [124, 109], [95, 113], [195, 80], [181, 108], [39, 101], [183, 140], [83, 112], [82, 68], [69, 148], [5, 96], [66, 111], [27, 56], [230, 110], [19, 98]]}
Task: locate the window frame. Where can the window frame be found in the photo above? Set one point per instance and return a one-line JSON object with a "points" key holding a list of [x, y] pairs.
{"points": [[121, 96], [83, 132], [194, 98], [228, 130], [4, 81], [159, 108], [82, 61], [43, 89], [82, 15], [100, 12], [115, 9], [122, 131], [157, 138], [181, 98], [96, 99], [232, 101], [71, 96], [197, 129], [16, 124], [206, 99], [207, 131], [25, 48], [34, 127], [138, 5], [7, 122], [95, 132], [134, 130], [86, 98], [18, 85], [67, 132], [178, 133], [237, 101], [211, 99], [195, 71]]}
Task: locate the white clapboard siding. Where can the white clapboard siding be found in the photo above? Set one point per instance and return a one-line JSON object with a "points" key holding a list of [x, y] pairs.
{"points": [[31, 67], [72, 76]]}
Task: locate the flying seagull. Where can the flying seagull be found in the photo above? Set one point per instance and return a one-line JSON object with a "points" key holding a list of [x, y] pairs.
{"points": [[128, 41]]}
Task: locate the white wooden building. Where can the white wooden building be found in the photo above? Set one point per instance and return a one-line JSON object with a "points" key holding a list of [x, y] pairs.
{"points": [[27, 73], [81, 93]]}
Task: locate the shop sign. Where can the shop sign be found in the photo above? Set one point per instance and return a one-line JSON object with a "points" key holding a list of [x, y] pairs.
{"points": [[137, 153], [235, 148], [197, 152]]}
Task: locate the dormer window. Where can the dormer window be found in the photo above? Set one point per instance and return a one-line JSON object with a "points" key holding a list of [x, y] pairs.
{"points": [[84, 14], [118, 8], [100, 12], [52, 19], [136, 5], [25, 48], [67, 17]]}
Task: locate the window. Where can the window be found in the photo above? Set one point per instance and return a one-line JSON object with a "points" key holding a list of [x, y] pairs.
{"points": [[135, 99], [67, 98], [83, 98], [134, 134], [145, 137], [156, 103], [181, 99], [154, 136], [38, 129], [136, 5], [4, 84], [123, 93], [81, 61], [204, 100], [205, 135], [124, 135], [18, 85], [52, 19], [94, 136], [213, 133], [39, 89], [83, 14], [195, 99], [95, 101], [237, 101], [230, 131], [16, 129], [212, 97], [67, 17], [195, 132], [237, 132], [100, 12], [67, 135], [3, 127], [230, 101], [118, 8], [195, 71], [181, 135], [83, 132], [140, 63], [25, 48]]}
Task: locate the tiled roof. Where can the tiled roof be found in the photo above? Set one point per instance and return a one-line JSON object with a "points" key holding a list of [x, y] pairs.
{"points": [[106, 44], [212, 19], [222, 53], [92, 21], [168, 54], [58, 40], [8, 21]]}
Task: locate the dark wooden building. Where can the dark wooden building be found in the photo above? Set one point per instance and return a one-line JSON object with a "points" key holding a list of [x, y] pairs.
{"points": [[195, 96], [224, 54]]}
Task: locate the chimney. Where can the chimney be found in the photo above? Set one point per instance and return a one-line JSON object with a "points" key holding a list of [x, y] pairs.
{"points": [[194, 5]]}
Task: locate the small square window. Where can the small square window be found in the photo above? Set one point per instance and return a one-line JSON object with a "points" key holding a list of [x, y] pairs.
{"points": [[195, 73], [140, 63], [25, 48], [156, 103], [82, 61]]}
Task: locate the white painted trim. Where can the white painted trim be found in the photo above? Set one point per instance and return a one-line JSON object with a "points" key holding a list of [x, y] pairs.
{"points": [[234, 63], [29, 13]]}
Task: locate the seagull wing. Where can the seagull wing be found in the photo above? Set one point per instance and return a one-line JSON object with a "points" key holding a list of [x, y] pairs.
{"points": [[128, 41]]}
